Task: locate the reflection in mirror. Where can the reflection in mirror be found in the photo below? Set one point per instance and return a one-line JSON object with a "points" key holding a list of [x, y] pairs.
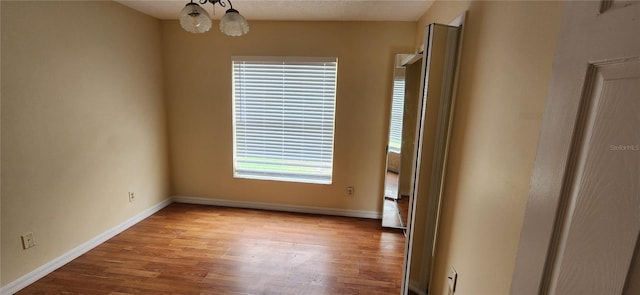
{"points": [[401, 139]]}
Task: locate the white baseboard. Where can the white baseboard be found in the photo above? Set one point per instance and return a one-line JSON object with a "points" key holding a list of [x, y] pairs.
{"points": [[74, 253], [278, 207]]}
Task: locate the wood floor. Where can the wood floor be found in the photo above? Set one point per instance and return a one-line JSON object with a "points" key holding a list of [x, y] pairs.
{"points": [[193, 249]]}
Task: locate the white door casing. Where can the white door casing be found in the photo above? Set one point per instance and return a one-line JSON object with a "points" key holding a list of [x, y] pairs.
{"points": [[582, 221]]}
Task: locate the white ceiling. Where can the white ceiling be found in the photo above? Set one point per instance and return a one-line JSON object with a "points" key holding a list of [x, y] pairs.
{"points": [[296, 10]]}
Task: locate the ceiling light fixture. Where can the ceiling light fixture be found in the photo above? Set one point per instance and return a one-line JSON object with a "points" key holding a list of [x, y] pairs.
{"points": [[195, 19]]}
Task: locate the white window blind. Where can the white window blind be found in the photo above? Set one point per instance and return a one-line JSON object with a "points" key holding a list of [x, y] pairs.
{"points": [[397, 109], [284, 110]]}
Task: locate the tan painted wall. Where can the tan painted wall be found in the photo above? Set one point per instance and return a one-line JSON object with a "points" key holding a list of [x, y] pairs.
{"points": [[83, 123], [410, 113], [393, 162], [198, 75], [505, 70]]}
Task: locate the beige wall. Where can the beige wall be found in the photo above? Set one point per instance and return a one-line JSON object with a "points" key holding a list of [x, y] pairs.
{"points": [[393, 162], [83, 123], [505, 70], [198, 75], [410, 113]]}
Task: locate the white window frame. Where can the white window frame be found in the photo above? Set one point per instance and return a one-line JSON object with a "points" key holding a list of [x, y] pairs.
{"points": [[269, 153]]}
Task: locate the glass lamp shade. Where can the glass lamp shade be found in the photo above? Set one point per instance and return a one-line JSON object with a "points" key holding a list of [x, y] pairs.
{"points": [[233, 24], [195, 19]]}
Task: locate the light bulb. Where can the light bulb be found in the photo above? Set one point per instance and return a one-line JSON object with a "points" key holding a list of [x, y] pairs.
{"points": [[195, 21], [194, 18]]}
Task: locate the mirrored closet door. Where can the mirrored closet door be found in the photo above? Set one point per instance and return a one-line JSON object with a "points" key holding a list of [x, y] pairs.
{"points": [[402, 138], [434, 126]]}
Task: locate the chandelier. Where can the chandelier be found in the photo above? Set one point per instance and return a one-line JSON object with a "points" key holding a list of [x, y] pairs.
{"points": [[195, 19]]}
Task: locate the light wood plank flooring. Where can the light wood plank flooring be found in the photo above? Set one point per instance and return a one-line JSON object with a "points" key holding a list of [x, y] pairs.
{"points": [[193, 249]]}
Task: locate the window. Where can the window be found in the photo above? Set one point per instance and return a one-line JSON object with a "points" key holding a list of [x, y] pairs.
{"points": [[397, 108], [283, 115]]}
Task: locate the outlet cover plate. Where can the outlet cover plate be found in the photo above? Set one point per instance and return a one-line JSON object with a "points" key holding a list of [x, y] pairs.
{"points": [[350, 190], [132, 197]]}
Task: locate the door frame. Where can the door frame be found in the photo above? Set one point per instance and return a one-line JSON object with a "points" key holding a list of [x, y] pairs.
{"points": [[555, 156]]}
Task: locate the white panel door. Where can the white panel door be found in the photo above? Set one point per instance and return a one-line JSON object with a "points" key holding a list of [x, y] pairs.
{"points": [[582, 221], [602, 213]]}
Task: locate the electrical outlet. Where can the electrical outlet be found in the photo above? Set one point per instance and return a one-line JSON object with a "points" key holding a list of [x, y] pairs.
{"points": [[453, 281], [28, 241], [350, 190], [132, 197]]}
